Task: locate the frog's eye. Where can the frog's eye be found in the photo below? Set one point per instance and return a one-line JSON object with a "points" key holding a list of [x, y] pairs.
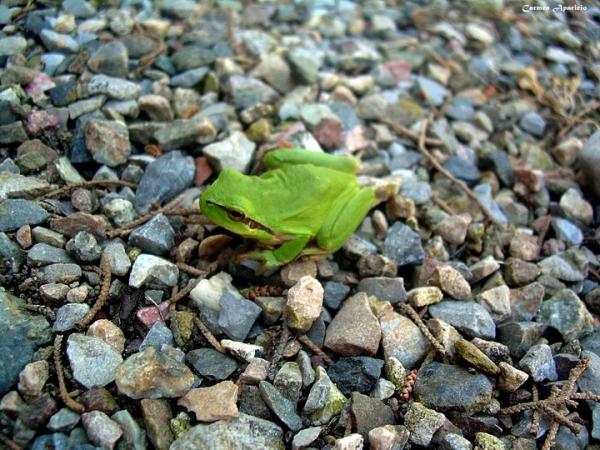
{"points": [[235, 215]]}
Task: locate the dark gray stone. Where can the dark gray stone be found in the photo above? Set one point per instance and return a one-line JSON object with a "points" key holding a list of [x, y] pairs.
{"points": [[334, 294], [42, 254], [446, 387], [539, 363], [462, 169], [236, 316], [533, 123], [356, 373], [212, 364], [156, 236], [520, 336], [403, 245], [157, 336], [163, 179], [386, 289], [281, 406], [469, 317]]}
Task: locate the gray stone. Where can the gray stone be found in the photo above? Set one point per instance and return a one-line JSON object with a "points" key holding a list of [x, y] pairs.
{"points": [[247, 92], [42, 254], [152, 270], [189, 78], [422, 423], [539, 363], [561, 267], [402, 339], [334, 294], [305, 437], [157, 336], [13, 185], [163, 179], [14, 213], [84, 246], [484, 193], [306, 63], [156, 236], [520, 336], [116, 88], [68, 315], [110, 59], [444, 387], [118, 259], [134, 437], [234, 152], [357, 373], [432, 90], [469, 317], [86, 106], [568, 314], [236, 316], [63, 420], [386, 289], [212, 364], [92, 360], [533, 123], [244, 432], [281, 406], [20, 333], [58, 42], [11, 45], [288, 381], [567, 231], [403, 245]]}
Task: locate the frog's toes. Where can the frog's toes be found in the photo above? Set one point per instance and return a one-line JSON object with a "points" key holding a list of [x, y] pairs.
{"points": [[267, 259]]}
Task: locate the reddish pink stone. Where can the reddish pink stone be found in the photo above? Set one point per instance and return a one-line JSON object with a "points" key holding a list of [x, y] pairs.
{"points": [[149, 315], [41, 83], [40, 120], [328, 133], [355, 139], [400, 70], [203, 171]]}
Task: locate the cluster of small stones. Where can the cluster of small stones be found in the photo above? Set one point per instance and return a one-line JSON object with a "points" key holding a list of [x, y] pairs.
{"points": [[151, 100]]}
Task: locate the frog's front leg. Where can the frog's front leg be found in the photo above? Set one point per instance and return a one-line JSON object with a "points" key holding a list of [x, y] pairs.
{"points": [[283, 254]]}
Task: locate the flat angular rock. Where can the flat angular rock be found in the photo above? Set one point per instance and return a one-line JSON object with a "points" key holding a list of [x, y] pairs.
{"points": [[92, 360], [444, 387], [386, 289], [281, 406], [244, 432], [403, 245], [370, 413], [237, 315], [402, 339], [213, 403], [468, 317], [568, 314], [234, 152], [14, 213], [164, 179], [150, 269], [356, 373], [539, 363], [422, 423], [107, 141], [150, 374], [101, 429], [156, 236], [117, 88], [211, 364], [354, 330]]}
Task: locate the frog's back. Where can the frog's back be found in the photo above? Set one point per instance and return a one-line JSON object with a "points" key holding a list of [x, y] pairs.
{"points": [[302, 194]]}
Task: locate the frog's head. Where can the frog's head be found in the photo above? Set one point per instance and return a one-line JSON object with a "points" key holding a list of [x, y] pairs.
{"points": [[229, 203]]}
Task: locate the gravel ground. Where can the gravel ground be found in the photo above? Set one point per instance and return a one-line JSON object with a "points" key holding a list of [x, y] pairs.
{"points": [[462, 312]]}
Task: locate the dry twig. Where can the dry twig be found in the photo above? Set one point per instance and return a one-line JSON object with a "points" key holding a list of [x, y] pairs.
{"points": [[212, 340], [62, 388], [124, 231], [284, 337], [104, 291], [305, 340], [191, 270], [184, 292], [87, 184], [414, 316]]}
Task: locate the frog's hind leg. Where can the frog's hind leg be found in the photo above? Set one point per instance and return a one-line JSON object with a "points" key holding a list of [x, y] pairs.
{"points": [[344, 218]]}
